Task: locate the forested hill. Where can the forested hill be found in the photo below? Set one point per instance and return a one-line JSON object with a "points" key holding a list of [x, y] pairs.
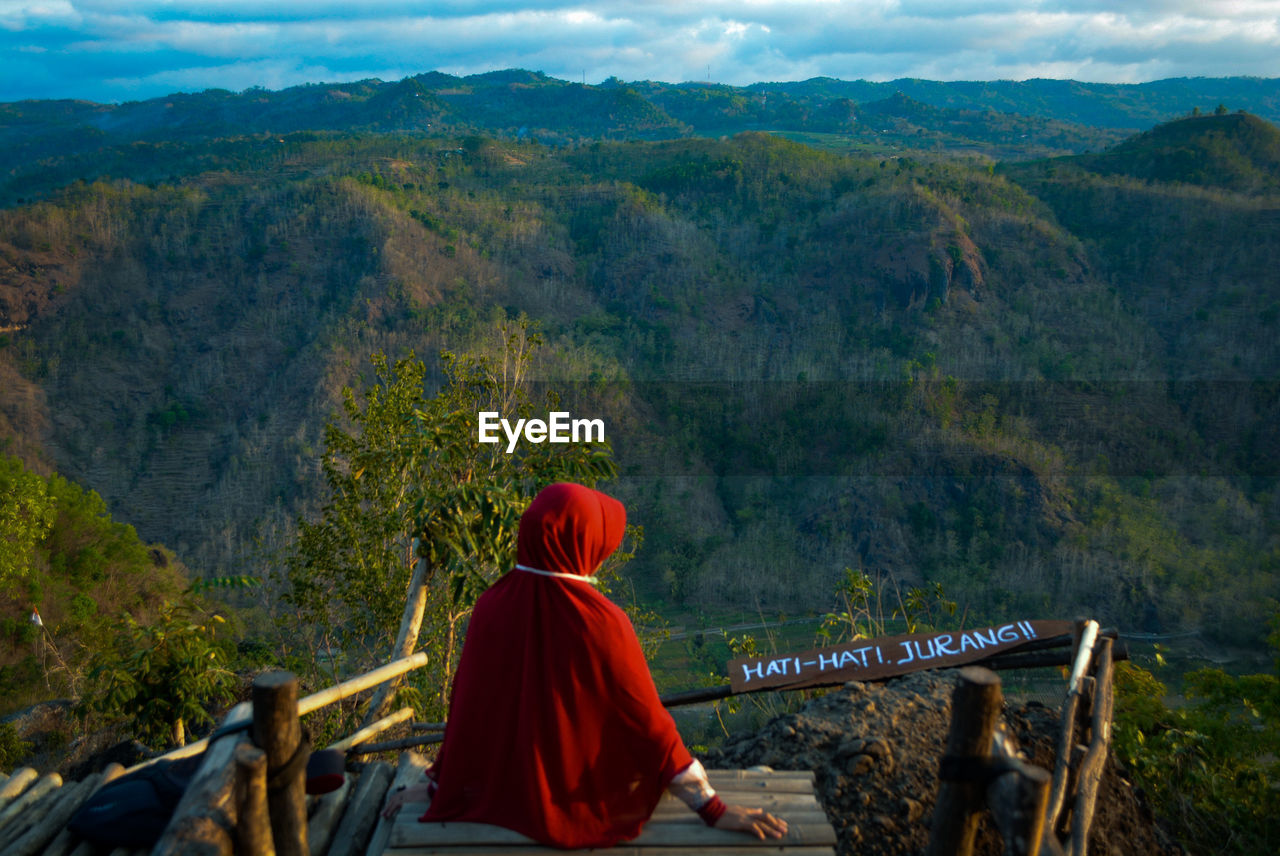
{"points": [[45, 143], [1049, 387]]}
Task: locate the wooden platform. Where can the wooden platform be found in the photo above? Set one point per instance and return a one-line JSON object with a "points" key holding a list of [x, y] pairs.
{"points": [[673, 829]]}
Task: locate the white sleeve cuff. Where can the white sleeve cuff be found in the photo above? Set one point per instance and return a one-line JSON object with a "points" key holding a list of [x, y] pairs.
{"points": [[691, 787]]}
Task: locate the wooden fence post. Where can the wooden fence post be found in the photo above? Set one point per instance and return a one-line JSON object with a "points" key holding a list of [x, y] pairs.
{"points": [[1094, 763], [975, 705], [277, 732], [253, 826], [1017, 801]]}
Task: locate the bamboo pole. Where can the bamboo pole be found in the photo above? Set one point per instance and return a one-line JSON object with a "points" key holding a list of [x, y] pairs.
{"points": [[427, 726], [394, 745], [975, 705], [66, 840], [11, 817], [278, 732], [350, 687], [377, 728], [1094, 763], [43, 829], [32, 819], [1067, 735], [415, 605], [16, 784]]}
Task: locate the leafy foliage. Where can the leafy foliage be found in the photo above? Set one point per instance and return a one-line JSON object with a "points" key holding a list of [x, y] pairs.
{"points": [[13, 749], [161, 677], [412, 470], [1209, 767], [26, 516], [64, 556]]}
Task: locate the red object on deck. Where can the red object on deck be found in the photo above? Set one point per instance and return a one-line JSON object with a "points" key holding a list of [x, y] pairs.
{"points": [[555, 727]]}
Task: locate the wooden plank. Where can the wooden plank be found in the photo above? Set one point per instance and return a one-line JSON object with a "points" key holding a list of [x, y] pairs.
{"points": [[801, 816], [653, 835], [781, 804], [362, 811], [774, 803], [757, 786], [672, 829], [763, 849], [324, 820], [770, 775], [408, 772]]}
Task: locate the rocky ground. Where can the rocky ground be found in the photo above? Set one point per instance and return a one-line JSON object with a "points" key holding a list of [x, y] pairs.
{"points": [[874, 749]]}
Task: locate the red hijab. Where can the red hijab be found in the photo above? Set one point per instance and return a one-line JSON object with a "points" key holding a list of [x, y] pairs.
{"points": [[555, 728]]}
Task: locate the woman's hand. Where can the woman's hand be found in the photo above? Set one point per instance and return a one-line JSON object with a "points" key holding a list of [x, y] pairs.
{"points": [[753, 821]]}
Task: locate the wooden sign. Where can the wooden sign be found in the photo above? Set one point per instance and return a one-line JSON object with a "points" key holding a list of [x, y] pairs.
{"points": [[887, 657]]}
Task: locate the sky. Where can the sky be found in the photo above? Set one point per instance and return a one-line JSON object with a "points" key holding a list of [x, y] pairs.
{"points": [[123, 51]]}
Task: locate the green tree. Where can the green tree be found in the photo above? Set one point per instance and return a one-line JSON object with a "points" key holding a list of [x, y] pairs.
{"points": [[27, 512], [1209, 766], [410, 469], [161, 677]]}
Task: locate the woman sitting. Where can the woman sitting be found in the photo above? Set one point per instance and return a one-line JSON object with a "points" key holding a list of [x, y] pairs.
{"points": [[555, 728]]}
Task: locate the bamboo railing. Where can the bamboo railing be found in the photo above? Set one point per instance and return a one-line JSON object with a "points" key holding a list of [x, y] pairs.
{"points": [[240, 801], [1035, 812], [248, 794]]}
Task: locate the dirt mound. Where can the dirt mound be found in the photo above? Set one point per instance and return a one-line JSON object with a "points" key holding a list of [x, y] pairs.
{"points": [[875, 748]]}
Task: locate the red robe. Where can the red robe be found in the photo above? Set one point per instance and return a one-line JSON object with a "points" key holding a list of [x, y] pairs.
{"points": [[555, 728]]}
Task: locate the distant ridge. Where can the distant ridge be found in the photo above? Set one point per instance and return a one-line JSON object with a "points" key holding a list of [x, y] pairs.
{"points": [[1231, 151], [47, 143], [1107, 105]]}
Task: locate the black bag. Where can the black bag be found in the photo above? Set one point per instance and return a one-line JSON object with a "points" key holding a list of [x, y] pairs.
{"points": [[133, 810]]}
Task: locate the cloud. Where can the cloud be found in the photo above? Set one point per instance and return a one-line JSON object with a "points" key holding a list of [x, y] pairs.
{"points": [[119, 50]]}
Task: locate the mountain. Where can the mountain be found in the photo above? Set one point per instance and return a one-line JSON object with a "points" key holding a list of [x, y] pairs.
{"points": [[1108, 105], [45, 144], [1047, 386], [1164, 207], [1238, 152]]}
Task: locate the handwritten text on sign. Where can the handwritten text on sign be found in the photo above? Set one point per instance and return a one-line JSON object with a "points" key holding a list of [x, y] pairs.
{"points": [[870, 659]]}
